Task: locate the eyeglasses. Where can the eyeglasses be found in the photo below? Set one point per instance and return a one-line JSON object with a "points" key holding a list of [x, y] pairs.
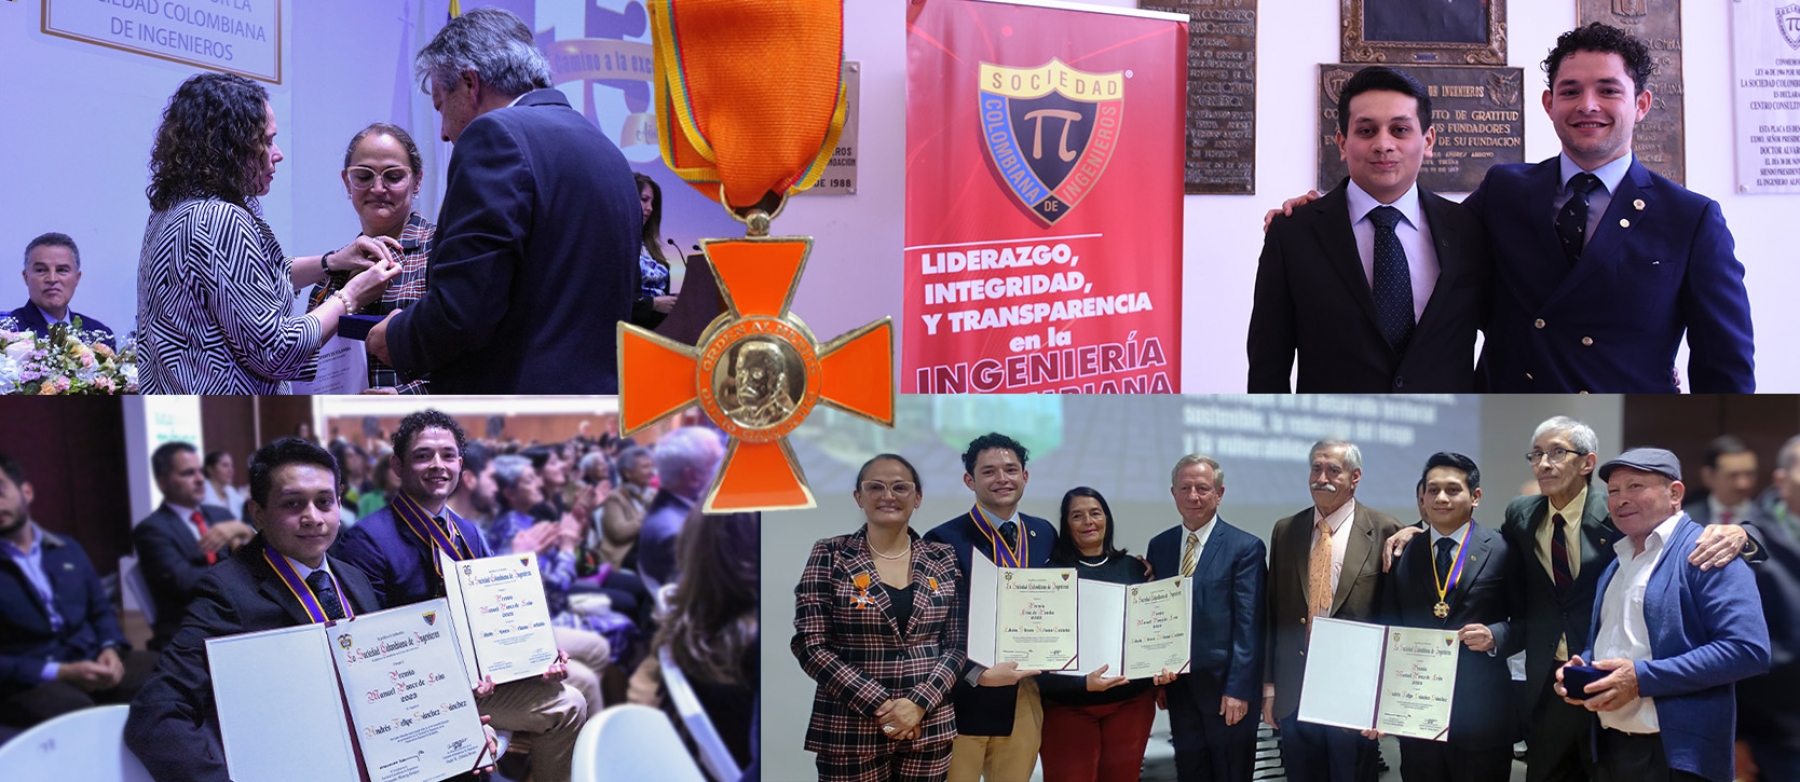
{"points": [[363, 177], [1555, 454], [900, 489]]}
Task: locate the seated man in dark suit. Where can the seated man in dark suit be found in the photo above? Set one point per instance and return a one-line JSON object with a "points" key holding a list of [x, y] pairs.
{"points": [[397, 548], [538, 235], [1672, 637], [686, 460], [1457, 581], [183, 537], [60, 645], [174, 722], [52, 270], [1211, 717], [1379, 286], [999, 714]]}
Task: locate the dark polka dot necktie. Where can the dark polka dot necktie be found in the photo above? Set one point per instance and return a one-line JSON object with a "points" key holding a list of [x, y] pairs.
{"points": [[1393, 280], [1572, 220]]}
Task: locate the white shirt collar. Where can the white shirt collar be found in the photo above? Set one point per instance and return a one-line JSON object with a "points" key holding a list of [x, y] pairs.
{"points": [[185, 514], [1610, 174], [515, 101], [992, 515], [304, 571], [1459, 535], [68, 314], [1653, 542], [1204, 532], [1361, 204], [1738, 511], [1571, 512]]}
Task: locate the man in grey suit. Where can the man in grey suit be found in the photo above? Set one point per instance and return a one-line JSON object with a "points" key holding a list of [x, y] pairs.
{"points": [[1323, 561]]}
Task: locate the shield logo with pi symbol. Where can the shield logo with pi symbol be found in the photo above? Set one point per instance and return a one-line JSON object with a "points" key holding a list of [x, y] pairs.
{"points": [[1050, 132], [1787, 18]]}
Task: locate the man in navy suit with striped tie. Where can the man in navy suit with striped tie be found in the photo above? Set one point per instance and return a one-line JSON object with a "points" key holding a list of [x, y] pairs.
{"points": [[999, 719], [1213, 727]]}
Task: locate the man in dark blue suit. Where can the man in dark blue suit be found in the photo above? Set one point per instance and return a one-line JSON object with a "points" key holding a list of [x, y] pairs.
{"points": [[999, 719], [1600, 264], [52, 270], [686, 461], [183, 537], [536, 255], [1208, 704], [397, 547], [1673, 637], [1768, 713], [61, 649], [1456, 580], [174, 722]]}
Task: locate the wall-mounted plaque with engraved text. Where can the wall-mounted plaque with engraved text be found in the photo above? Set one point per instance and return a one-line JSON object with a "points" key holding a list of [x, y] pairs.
{"points": [[1427, 32], [1659, 138], [1477, 111], [1221, 99]]}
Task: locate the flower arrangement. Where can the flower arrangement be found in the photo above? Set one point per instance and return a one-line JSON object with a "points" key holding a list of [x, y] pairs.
{"points": [[66, 360]]}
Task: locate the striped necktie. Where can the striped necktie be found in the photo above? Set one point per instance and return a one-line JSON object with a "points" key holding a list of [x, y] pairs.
{"points": [[1190, 555]]}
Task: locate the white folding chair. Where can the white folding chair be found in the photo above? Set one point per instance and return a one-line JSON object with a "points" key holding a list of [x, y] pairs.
{"points": [[88, 745], [136, 588], [628, 743], [713, 754], [665, 596]]}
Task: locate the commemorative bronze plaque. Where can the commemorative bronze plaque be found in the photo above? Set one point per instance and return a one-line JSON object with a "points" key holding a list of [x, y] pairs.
{"points": [[1478, 112], [1221, 94], [1429, 32], [1659, 137]]}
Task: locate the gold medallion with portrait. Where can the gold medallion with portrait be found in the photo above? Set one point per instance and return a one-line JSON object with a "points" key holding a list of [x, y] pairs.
{"points": [[760, 377]]}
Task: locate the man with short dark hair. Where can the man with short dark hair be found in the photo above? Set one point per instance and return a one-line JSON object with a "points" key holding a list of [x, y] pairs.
{"points": [[1729, 475], [474, 496], [182, 538], [999, 717], [174, 722], [1379, 286], [61, 649], [52, 270], [1671, 637], [538, 234], [1456, 580], [397, 547]]}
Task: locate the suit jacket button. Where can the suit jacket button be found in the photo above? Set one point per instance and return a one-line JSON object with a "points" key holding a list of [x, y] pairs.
{"points": [[1539, 323], [1400, 381], [1528, 376], [1588, 341]]}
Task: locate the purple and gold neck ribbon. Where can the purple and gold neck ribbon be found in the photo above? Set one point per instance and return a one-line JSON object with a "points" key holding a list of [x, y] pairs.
{"points": [[1004, 556], [422, 524], [1462, 552], [301, 591]]}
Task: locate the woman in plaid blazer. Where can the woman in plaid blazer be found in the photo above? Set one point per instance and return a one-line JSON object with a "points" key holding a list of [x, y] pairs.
{"points": [[885, 657]]}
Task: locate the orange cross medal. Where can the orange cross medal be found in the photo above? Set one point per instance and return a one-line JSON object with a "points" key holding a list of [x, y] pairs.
{"points": [[757, 370]]}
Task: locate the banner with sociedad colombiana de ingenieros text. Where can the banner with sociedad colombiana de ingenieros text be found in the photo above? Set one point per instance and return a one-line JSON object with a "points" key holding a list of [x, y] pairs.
{"points": [[1044, 160]]}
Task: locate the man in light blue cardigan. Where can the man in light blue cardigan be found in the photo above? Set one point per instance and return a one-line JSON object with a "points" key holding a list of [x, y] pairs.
{"points": [[1672, 636]]}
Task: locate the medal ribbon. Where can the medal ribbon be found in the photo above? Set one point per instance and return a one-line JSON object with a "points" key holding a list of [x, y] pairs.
{"points": [[426, 528], [1462, 550], [1004, 556], [749, 94], [300, 590]]}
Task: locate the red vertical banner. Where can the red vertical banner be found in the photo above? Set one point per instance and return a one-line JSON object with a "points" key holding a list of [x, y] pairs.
{"points": [[1044, 160]]}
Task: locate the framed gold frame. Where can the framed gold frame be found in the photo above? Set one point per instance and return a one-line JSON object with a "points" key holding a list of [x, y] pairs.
{"points": [[44, 26], [1358, 47]]}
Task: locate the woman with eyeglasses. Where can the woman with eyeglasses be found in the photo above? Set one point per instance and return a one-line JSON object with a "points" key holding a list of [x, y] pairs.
{"points": [[213, 283], [1095, 726], [382, 174], [875, 624]]}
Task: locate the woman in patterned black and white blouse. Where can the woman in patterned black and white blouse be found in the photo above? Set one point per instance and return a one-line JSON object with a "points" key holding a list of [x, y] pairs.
{"points": [[213, 285]]}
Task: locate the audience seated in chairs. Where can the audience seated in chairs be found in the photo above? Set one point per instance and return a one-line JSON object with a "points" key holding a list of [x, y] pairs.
{"points": [[61, 649], [182, 538], [711, 630], [622, 515], [686, 460]]}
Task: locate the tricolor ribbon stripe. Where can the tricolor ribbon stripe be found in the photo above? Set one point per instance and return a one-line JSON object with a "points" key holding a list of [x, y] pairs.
{"points": [[1456, 569], [303, 593], [422, 525], [1004, 556]]}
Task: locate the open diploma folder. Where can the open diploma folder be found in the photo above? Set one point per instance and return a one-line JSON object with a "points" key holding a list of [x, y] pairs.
{"points": [[1136, 630], [500, 616], [1398, 680], [1024, 616], [379, 698]]}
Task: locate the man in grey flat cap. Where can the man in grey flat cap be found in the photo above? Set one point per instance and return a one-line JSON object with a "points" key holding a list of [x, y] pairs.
{"points": [[1672, 637]]}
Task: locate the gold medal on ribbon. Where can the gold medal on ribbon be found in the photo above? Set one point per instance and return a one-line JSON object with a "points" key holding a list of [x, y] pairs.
{"points": [[757, 370]]}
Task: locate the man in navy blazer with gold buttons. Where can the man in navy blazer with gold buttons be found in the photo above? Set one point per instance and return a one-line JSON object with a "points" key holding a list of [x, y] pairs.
{"points": [[1601, 265], [1212, 721]]}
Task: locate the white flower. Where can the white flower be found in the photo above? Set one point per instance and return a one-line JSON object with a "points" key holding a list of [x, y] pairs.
{"points": [[17, 351]]}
